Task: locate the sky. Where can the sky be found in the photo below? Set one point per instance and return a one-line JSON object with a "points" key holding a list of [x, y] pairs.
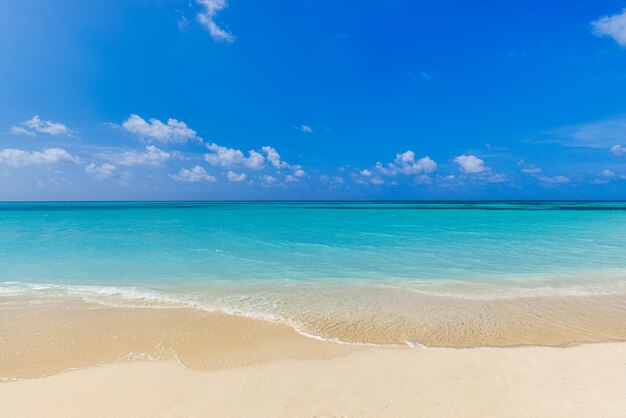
{"points": [[284, 99]]}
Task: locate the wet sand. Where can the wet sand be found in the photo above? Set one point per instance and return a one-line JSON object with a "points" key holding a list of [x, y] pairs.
{"points": [[53, 336], [70, 358], [46, 335]]}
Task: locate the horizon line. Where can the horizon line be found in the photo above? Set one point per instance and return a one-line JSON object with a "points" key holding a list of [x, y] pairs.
{"points": [[326, 201]]}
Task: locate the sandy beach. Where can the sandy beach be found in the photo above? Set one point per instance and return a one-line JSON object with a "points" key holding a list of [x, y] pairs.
{"points": [[100, 361], [385, 209], [584, 381]]}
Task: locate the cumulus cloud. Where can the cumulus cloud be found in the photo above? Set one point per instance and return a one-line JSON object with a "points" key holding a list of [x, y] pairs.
{"points": [[230, 157], [195, 175], [476, 168], [207, 18], [405, 163], [274, 157], [20, 158], [618, 150], [35, 124], [255, 160], [100, 172], [172, 131], [235, 177], [151, 156], [613, 26], [470, 164], [305, 128]]}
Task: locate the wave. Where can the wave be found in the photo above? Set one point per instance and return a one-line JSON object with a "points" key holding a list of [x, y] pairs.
{"points": [[372, 315]]}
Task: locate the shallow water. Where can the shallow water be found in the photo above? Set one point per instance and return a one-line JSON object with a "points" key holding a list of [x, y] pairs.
{"points": [[434, 273]]}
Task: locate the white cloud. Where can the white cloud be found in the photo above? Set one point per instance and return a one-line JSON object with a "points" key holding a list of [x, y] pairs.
{"points": [[151, 156], [470, 164], [173, 131], [491, 177], [474, 166], [545, 180], [405, 163], [235, 177], [607, 173], [207, 18], [366, 178], [531, 169], [607, 176], [195, 175], [552, 180], [100, 172], [230, 157], [19, 158], [18, 130], [612, 26], [268, 179], [618, 150], [274, 157], [305, 128], [35, 124]]}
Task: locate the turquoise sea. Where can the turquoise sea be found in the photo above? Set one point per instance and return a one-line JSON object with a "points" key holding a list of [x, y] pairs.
{"points": [[283, 260]]}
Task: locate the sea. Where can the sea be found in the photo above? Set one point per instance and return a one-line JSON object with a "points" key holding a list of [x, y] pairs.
{"points": [[356, 272]]}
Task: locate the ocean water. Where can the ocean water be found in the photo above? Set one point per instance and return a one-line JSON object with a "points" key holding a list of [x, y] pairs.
{"points": [[391, 266]]}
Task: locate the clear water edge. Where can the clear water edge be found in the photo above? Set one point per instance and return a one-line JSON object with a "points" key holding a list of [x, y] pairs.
{"points": [[265, 260]]}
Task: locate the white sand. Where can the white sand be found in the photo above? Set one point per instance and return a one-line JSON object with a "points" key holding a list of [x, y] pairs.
{"points": [[583, 381]]}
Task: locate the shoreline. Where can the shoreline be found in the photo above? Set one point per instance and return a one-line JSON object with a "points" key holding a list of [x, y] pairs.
{"points": [[88, 359], [44, 336], [363, 315]]}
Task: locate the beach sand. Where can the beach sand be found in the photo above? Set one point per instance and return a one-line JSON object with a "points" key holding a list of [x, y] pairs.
{"points": [[66, 359], [584, 381]]}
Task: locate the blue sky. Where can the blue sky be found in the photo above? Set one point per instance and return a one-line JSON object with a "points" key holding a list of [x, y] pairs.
{"points": [[215, 99]]}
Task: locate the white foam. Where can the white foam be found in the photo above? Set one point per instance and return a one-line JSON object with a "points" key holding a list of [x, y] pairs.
{"points": [[261, 303]]}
